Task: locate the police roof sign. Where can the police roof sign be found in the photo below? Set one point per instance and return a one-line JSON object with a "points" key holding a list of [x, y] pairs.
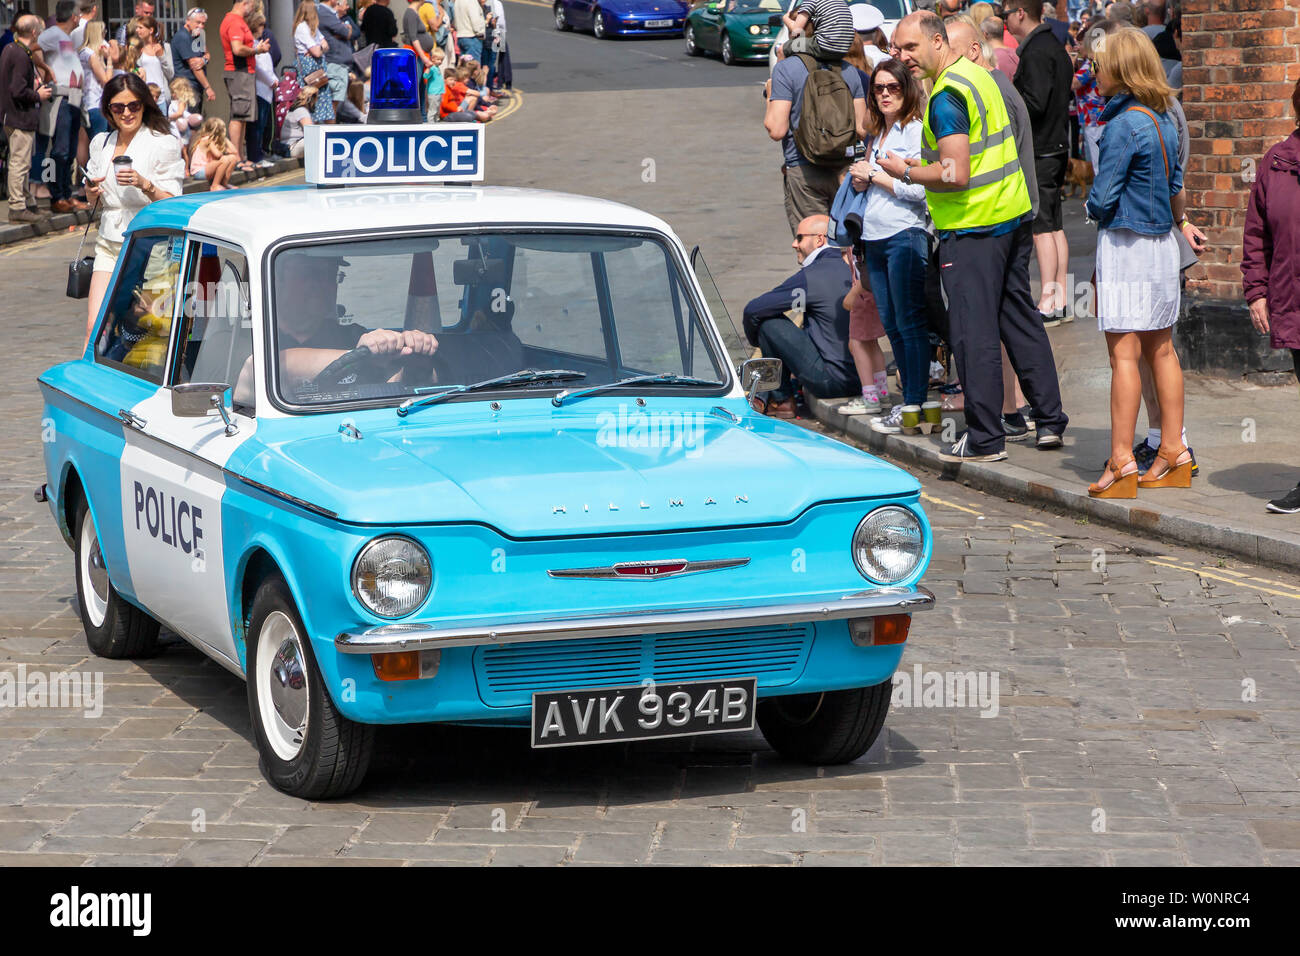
{"points": [[366, 155]]}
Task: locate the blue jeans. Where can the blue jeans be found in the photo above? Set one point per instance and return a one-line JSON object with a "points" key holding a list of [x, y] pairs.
{"points": [[472, 46], [896, 270], [781, 338], [98, 123], [62, 148]]}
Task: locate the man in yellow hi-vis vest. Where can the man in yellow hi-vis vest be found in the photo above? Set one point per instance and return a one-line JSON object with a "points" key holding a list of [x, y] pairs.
{"points": [[979, 204]]}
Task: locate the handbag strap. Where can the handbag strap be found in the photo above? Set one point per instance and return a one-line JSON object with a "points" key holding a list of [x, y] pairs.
{"points": [[1163, 155], [82, 244]]}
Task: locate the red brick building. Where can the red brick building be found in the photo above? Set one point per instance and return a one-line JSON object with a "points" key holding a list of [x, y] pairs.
{"points": [[1241, 61]]}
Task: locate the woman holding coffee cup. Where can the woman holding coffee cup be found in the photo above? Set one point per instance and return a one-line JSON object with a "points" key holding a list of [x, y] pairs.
{"points": [[138, 161]]}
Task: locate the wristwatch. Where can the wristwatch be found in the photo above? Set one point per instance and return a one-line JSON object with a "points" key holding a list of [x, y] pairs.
{"points": [[906, 178]]}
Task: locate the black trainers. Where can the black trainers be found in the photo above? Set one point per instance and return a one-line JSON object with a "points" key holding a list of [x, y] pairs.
{"points": [[1015, 427], [1288, 504], [1027, 413], [1048, 439], [960, 451], [1144, 455]]}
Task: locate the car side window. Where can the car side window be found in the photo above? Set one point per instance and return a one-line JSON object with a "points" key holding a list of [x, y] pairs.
{"points": [[141, 305], [216, 338]]}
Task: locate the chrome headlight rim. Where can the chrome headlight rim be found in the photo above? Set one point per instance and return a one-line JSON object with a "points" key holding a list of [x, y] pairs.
{"points": [[860, 531], [358, 593]]}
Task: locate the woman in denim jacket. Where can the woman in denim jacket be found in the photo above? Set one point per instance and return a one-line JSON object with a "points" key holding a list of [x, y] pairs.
{"points": [[1136, 199]]}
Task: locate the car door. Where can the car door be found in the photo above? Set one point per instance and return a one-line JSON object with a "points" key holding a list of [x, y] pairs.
{"points": [[173, 468], [706, 34], [128, 362]]}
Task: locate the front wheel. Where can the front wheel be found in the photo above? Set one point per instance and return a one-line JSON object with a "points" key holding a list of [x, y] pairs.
{"points": [[598, 25], [114, 627], [692, 49], [728, 57], [827, 728], [561, 19], [308, 749]]}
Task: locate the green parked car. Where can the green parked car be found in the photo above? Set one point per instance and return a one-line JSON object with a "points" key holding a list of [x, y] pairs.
{"points": [[739, 30]]}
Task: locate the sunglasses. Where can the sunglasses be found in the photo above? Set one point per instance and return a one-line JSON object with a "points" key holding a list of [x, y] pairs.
{"points": [[120, 109], [801, 236], [893, 89]]}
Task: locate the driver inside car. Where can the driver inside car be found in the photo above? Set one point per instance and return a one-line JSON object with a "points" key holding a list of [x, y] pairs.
{"points": [[311, 333]]}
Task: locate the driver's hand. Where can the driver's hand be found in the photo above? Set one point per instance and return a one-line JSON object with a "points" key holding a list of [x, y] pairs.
{"points": [[386, 342], [418, 343]]}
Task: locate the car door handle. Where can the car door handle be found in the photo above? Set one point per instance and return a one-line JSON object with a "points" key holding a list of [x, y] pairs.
{"points": [[131, 419]]}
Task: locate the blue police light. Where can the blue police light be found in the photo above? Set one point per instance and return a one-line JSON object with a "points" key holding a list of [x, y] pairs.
{"points": [[394, 87]]}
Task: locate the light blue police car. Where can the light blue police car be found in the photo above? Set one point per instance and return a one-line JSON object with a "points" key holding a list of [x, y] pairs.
{"points": [[462, 454]]}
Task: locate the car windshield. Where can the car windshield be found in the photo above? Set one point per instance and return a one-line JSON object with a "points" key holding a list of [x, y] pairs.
{"points": [[388, 319], [753, 6]]}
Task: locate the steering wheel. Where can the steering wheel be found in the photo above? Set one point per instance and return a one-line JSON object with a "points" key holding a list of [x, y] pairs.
{"points": [[347, 366], [361, 366]]}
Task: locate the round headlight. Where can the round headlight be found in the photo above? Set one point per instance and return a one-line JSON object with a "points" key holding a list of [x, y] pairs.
{"points": [[754, 29], [888, 545], [391, 576]]}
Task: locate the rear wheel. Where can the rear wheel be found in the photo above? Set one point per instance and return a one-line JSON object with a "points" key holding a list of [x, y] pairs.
{"points": [[561, 19], [728, 57], [308, 748], [598, 25], [827, 728], [114, 627]]}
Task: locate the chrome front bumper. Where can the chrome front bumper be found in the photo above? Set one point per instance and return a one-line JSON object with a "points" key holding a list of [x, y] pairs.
{"points": [[389, 638]]}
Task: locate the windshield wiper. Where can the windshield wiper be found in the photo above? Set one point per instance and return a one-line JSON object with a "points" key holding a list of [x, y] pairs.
{"points": [[662, 378], [527, 376]]}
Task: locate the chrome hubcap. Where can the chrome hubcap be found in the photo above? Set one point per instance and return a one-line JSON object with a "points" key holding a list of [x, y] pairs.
{"points": [[94, 575], [282, 690]]}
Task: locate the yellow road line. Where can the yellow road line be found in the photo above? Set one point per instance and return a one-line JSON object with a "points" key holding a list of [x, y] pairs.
{"points": [[949, 504], [516, 101], [1201, 572]]}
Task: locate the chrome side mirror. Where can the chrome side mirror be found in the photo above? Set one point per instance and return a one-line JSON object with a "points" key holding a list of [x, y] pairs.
{"points": [[197, 399], [760, 375]]}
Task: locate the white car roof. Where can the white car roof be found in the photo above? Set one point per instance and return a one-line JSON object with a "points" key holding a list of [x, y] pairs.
{"points": [[255, 218]]}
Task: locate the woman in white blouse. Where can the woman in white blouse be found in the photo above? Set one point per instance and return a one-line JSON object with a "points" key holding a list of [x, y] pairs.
{"points": [[137, 130], [894, 230], [155, 59]]}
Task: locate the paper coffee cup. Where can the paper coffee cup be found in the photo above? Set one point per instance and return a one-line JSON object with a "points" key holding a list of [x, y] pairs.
{"points": [[932, 412], [911, 416]]}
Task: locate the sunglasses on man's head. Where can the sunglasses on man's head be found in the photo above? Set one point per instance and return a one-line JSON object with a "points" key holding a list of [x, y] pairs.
{"points": [[120, 109]]}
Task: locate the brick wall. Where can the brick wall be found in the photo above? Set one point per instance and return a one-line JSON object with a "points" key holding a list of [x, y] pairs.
{"points": [[1241, 60]]}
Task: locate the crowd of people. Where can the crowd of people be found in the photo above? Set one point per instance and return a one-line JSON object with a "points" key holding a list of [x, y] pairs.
{"points": [[921, 175], [56, 119]]}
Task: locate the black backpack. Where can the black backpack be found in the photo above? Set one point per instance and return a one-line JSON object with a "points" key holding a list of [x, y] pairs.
{"points": [[827, 126]]}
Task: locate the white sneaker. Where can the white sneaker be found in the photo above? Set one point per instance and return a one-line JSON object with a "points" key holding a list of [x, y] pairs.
{"points": [[859, 406], [264, 164], [890, 424]]}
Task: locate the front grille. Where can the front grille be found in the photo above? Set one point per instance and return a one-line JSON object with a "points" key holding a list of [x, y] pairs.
{"points": [[507, 676]]}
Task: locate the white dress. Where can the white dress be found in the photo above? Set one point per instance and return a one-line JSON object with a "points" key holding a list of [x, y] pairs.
{"points": [[1138, 288]]}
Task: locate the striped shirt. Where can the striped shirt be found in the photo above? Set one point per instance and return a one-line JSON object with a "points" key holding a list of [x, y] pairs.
{"points": [[831, 22]]}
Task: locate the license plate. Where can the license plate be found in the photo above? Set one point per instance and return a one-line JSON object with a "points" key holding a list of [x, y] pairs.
{"points": [[651, 24], [612, 714]]}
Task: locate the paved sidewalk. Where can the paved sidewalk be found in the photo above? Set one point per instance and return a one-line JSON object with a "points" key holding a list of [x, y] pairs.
{"points": [[1243, 435]]}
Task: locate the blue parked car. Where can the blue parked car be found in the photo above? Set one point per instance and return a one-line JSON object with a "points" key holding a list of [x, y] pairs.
{"points": [[611, 18], [474, 456]]}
